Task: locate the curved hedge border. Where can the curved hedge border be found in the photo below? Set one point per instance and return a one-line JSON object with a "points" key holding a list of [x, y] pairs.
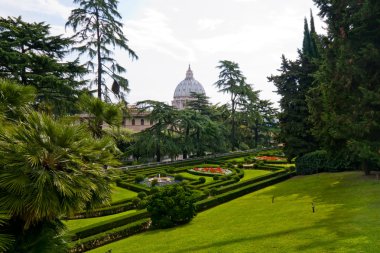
{"points": [[248, 182], [133, 187], [110, 236], [107, 225], [114, 209], [225, 197]]}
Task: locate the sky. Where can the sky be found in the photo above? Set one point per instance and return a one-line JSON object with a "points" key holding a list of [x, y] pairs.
{"points": [[168, 35]]}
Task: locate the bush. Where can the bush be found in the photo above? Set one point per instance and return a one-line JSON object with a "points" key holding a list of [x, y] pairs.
{"points": [[172, 205], [142, 204], [320, 161], [236, 178], [154, 182], [136, 201], [142, 195], [213, 192], [202, 180], [178, 177], [216, 177], [139, 178]]}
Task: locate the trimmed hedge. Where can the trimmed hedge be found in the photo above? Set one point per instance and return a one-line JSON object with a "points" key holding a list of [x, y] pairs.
{"points": [[225, 197], [248, 182], [133, 187], [108, 224], [320, 161], [110, 236], [103, 211]]}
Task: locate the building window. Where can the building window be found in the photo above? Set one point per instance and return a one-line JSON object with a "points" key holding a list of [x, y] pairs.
{"points": [[142, 122], [133, 122], [151, 122]]}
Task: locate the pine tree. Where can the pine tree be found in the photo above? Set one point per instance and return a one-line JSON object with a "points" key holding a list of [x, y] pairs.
{"points": [[97, 26], [31, 56]]}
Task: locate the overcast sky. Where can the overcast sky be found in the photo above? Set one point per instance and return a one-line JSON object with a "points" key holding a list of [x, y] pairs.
{"points": [[168, 35]]}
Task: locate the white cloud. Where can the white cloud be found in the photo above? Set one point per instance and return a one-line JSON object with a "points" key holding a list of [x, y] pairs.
{"points": [[152, 32], [209, 23], [50, 7]]}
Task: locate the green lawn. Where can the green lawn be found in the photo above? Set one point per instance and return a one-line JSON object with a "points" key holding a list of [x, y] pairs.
{"points": [[196, 177], [119, 193], [347, 219], [248, 174], [79, 223]]}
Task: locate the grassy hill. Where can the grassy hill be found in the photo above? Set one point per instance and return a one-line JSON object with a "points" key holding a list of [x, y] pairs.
{"points": [[346, 219]]}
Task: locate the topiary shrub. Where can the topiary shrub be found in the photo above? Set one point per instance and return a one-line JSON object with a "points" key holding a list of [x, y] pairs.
{"points": [[154, 182], [172, 205], [240, 165], [142, 195], [213, 192], [216, 177], [142, 204], [202, 180], [139, 178], [136, 201], [236, 178], [178, 177]]}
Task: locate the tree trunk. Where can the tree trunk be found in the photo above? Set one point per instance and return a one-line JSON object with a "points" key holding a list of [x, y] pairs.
{"points": [[158, 153], [99, 56], [256, 130], [365, 168]]}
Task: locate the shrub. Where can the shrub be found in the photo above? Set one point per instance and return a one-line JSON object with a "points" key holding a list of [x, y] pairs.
{"points": [[154, 182], [178, 177], [136, 201], [172, 205], [139, 178], [213, 192], [236, 178], [142, 195], [216, 177], [202, 180], [319, 161], [240, 165], [153, 190], [142, 204]]}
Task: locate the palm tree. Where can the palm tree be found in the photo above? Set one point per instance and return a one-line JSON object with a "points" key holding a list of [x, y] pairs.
{"points": [[50, 169], [99, 112], [14, 98]]}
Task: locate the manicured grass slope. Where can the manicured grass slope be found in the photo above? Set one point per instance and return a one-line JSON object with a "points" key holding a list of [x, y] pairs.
{"points": [[79, 223], [347, 219], [119, 193]]}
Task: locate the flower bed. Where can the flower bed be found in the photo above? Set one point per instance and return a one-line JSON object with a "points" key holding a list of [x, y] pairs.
{"points": [[270, 158], [213, 171]]}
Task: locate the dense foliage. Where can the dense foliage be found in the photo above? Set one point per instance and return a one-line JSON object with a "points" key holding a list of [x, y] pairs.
{"points": [[30, 55], [170, 206], [97, 26]]}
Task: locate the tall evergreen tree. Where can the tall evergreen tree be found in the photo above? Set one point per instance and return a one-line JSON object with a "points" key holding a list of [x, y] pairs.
{"points": [[349, 81], [232, 81], [30, 55], [97, 26], [294, 85]]}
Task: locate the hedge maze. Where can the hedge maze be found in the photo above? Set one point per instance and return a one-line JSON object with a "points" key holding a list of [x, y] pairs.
{"points": [[217, 189]]}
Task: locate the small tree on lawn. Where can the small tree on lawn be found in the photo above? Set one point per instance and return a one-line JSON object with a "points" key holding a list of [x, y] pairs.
{"points": [[170, 206]]}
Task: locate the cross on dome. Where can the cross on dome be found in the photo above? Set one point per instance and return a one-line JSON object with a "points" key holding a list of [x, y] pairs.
{"points": [[189, 73]]}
